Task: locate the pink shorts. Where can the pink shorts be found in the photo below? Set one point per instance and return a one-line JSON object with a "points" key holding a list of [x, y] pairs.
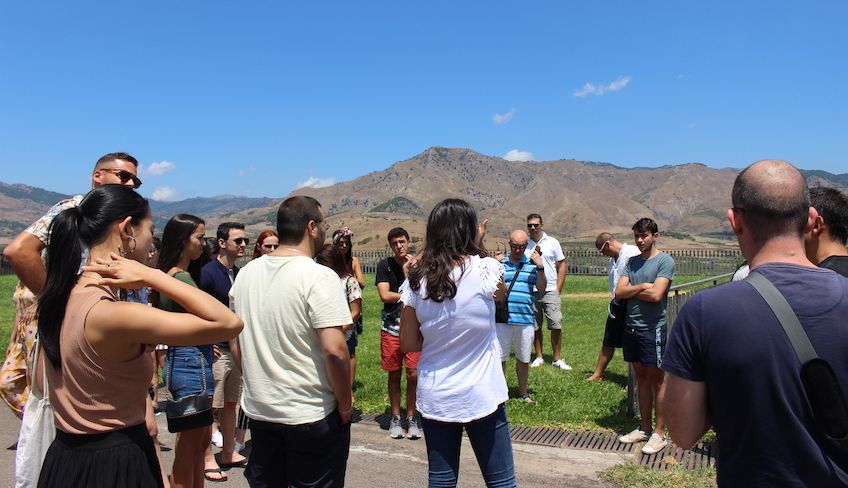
{"points": [[391, 357]]}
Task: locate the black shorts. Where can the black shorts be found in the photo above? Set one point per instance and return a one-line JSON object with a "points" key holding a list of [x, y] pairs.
{"points": [[614, 330], [645, 346]]}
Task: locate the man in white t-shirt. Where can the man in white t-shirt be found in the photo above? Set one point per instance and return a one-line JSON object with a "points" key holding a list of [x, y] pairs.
{"points": [[619, 253], [548, 303], [295, 362]]}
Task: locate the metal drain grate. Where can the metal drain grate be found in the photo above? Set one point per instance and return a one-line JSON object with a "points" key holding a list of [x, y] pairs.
{"points": [[701, 455]]}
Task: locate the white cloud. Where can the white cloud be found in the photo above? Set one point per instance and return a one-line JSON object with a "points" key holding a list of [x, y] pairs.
{"points": [[164, 194], [247, 170], [592, 89], [313, 182], [158, 169], [503, 118], [516, 155]]}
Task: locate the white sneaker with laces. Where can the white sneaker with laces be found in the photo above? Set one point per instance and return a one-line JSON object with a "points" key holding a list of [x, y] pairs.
{"points": [[635, 436], [655, 444], [217, 439], [395, 428], [537, 362], [559, 363]]}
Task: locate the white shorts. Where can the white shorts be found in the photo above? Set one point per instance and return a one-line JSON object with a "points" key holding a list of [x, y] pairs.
{"points": [[522, 336]]}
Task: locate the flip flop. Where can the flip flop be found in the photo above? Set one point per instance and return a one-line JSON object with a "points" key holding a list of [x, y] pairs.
{"points": [[239, 464], [215, 480]]}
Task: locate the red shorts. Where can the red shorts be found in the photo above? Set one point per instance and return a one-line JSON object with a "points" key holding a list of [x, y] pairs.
{"points": [[391, 357]]}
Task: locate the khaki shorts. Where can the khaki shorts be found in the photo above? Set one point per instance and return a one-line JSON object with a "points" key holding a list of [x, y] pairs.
{"points": [[227, 380], [548, 304]]}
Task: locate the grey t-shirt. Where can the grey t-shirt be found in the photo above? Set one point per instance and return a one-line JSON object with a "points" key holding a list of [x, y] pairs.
{"points": [[641, 314]]}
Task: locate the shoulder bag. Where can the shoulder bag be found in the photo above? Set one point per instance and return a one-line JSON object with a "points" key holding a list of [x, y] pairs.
{"points": [[502, 306], [37, 428]]}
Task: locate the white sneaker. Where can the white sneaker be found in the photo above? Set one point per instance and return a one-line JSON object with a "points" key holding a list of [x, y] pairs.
{"points": [[537, 362], [655, 444], [559, 363], [635, 436], [217, 439]]}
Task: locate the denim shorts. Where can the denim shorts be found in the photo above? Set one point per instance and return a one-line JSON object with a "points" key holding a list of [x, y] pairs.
{"points": [[184, 370]]}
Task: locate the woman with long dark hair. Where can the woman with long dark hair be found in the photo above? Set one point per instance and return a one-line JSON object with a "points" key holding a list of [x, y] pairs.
{"points": [[188, 368], [97, 347], [330, 257], [448, 315], [267, 243], [342, 241]]}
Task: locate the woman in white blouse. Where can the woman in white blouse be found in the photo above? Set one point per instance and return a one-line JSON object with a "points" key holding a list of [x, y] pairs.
{"points": [[448, 315]]}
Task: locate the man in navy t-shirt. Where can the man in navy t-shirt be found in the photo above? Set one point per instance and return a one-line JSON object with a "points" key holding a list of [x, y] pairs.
{"points": [[730, 364], [216, 278]]}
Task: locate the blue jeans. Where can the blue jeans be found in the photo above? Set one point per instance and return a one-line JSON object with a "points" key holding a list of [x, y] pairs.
{"points": [[490, 440], [189, 365]]}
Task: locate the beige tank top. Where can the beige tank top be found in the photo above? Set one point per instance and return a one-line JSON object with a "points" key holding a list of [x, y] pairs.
{"points": [[91, 394]]}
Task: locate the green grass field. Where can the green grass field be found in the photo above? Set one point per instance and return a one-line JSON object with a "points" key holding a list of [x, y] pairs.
{"points": [[563, 398]]}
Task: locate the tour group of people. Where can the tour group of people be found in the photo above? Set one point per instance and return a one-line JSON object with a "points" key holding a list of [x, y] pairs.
{"points": [[271, 347]]}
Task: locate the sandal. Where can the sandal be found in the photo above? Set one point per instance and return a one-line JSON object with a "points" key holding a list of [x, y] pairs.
{"points": [[223, 475]]}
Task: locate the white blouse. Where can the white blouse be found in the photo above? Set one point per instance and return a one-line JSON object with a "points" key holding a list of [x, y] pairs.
{"points": [[459, 374]]}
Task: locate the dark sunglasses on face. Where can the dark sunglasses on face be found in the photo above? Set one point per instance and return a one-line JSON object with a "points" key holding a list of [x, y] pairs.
{"points": [[124, 176], [270, 246], [517, 246], [532, 226], [241, 240]]}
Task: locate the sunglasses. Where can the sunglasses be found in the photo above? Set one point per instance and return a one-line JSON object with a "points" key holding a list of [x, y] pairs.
{"points": [[604, 246], [270, 246], [533, 226], [124, 176], [241, 240], [517, 246]]}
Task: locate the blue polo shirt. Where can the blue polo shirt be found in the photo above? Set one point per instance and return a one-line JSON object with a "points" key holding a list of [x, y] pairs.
{"points": [[522, 299], [215, 280]]}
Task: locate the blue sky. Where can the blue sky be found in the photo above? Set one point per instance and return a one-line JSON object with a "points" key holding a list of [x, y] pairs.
{"points": [[256, 98]]}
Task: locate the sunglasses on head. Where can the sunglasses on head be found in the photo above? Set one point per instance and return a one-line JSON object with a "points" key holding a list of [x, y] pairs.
{"points": [[241, 240], [270, 246], [124, 176]]}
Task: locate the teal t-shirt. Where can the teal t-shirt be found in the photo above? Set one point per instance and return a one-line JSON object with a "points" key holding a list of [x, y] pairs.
{"points": [[641, 314]]}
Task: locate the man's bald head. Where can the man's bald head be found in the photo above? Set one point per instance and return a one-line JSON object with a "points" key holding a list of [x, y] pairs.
{"points": [[518, 237], [773, 200]]}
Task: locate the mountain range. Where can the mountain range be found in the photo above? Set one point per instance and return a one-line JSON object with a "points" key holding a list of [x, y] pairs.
{"points": [[577, 199]]}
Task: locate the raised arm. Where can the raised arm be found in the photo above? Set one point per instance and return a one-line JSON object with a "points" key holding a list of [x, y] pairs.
{"points": [[24, 254], [207, 320]]}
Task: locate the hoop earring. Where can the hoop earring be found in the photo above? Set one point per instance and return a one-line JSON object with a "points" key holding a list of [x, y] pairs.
{"points": [[132, 249]]}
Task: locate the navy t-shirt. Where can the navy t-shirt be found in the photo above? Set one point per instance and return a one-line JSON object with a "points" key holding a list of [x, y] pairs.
{"points": [[729, 338], [215, 280]]}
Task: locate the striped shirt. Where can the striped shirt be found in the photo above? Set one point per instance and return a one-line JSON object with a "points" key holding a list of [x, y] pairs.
{"points": [[522, 299]]}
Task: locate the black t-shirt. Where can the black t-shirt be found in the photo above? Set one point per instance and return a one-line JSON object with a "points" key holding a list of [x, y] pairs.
{"points": [[389, 271], [836, 263]]}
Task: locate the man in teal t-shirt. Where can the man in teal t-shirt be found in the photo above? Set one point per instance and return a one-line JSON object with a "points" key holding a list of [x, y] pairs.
{"points": [[645, 285]]}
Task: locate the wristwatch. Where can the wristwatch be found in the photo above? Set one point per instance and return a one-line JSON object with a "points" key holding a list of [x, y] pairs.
{"points": [[540, 268]]}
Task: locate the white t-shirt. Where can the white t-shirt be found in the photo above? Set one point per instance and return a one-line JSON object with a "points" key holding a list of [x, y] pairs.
{"points": [[459, 373], [616, 268], [282, 300], [551, 254]]}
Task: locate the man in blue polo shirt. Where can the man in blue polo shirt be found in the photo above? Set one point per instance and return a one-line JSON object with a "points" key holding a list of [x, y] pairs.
{"points": [[527, 272], [216, 278]]}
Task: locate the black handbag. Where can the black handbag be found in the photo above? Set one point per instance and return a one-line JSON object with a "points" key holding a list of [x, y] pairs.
{"points": [[189, 412], [502, 306], [824, 393]]}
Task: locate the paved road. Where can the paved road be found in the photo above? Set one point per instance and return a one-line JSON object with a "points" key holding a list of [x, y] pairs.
{"points": [[376, 461]]}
